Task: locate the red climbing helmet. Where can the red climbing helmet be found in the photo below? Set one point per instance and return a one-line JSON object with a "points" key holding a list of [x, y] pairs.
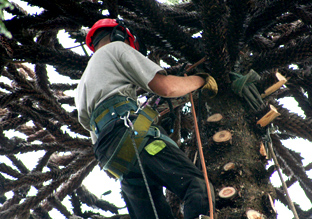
{"points": [[118, 27]]}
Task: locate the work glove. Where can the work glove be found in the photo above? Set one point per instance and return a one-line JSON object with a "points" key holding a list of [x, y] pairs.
{"points": [[210, 86], [244, 86]]}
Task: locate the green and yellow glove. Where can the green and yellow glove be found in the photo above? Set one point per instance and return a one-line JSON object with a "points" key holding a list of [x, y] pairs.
{"points": [[210, 84]]}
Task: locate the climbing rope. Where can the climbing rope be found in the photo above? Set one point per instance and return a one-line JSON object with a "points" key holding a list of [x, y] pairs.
{"points": [[270, 147], [133, 133], [202, 158], [199, 143], [84, 50]]}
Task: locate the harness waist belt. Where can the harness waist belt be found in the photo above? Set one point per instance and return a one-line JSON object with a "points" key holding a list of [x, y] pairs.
{"points": [[109, 110], [123, 157]]}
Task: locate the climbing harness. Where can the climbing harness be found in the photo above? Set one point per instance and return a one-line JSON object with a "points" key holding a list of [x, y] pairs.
{"points": [[169, 121], [121, 108], [135, 137]]}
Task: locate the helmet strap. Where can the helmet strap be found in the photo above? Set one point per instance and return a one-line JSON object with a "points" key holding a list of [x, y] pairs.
{"points": [[100, 36]]}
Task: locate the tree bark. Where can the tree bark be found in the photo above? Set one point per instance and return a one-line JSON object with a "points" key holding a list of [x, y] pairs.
{"points": [[249, 176]]}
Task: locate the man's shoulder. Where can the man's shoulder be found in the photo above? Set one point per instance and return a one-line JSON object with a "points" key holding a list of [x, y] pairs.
{"points": [[117, 44], [117, 47]]}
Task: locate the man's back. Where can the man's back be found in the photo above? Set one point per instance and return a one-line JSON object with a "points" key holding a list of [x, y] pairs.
{"points": [[116, 68]]}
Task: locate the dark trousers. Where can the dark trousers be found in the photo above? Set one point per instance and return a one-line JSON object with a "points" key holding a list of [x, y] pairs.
{"points": [[172, 169]]}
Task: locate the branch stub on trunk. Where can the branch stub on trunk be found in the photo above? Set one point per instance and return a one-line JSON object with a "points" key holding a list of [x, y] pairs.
{"points": [[281, 81], [269, 117], [263, 151], [227, 193], [223, 136], [270, 203], [252, 214], [217, 117], [229, 166]]}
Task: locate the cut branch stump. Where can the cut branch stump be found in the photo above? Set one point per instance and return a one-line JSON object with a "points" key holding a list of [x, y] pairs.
{"points": [[263, 151], [215, 118], [281, 81], [230, 172], [222, 137], [228, 193], [269, 117], [229, 166], [269, 204], [252, 214]]}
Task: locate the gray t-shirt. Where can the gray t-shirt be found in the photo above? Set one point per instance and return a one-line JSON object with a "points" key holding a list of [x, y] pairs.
{"points": [[115, 68]]}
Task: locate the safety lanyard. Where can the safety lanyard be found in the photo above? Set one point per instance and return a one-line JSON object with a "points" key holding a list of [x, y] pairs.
{"points": [[133, 133]]}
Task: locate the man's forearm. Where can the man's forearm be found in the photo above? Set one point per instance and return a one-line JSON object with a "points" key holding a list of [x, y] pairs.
{"points": [[175, 86]]}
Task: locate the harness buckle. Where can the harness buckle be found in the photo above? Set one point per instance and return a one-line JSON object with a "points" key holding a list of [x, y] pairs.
{"points": [[157, 132]]}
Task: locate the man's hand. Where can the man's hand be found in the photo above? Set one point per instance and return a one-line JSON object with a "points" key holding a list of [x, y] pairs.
{"points": [[210, 85]]}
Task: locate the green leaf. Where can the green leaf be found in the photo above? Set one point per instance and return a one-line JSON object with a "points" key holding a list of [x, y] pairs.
{"points": [[3, 30], [5, 4], [173, 2]]}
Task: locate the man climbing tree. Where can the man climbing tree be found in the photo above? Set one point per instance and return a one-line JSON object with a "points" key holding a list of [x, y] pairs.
{"points": [[258, 51], [108, 107]]}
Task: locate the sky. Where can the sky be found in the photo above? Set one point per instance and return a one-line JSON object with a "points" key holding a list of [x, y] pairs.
{"points": [[98, 182]]}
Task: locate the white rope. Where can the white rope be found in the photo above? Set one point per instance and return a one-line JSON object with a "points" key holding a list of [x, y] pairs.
{"points": [[142, 171], [129, 124], [140, 106], [291, 204]]}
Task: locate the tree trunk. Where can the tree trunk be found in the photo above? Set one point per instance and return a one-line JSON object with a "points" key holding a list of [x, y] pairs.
{"points": [[248, 176]]}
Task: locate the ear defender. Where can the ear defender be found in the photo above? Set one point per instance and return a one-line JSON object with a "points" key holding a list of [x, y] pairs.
{"points": [[119, 33], [138, 42]]}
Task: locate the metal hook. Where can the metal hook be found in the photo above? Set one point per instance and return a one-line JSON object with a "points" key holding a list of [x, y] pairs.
{"points": [[126, 120]]}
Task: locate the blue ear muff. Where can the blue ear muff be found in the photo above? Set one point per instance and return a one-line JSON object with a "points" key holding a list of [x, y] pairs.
{"points": [[119, 33]]}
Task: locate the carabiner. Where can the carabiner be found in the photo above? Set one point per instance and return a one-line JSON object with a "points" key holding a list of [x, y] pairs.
{"points": [[127, 121]]}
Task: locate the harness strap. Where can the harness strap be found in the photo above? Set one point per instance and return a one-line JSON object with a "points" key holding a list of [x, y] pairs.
{"points": [[155, 132], [124, 155], [109, 110]]}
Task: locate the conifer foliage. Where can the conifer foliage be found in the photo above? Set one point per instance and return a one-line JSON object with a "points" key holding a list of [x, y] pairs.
{"points": [[234, 36]]}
